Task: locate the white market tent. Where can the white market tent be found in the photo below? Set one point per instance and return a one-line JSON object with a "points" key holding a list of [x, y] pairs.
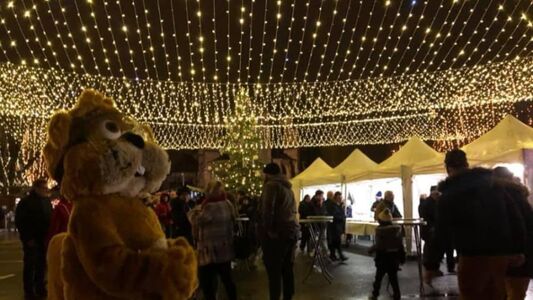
{"points": [[502, 144], [356, 164], [312, 175], [414, 158], [510, 143]]}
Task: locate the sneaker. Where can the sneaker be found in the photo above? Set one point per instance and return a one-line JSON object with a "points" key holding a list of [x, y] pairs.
{"points": [[333, 258], [344, 258], [372, 297]]}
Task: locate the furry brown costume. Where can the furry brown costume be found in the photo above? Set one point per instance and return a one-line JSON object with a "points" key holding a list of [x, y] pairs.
{"points": [[114, 248]]}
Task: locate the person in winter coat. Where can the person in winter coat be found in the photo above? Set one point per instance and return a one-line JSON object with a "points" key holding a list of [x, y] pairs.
{"points": [[336, 228], [32, 219], [388, 202], [349, 214], [59, 219], [427, 209], [317, 204], [278, 231], [517, 281], [485, 227], [376, 203], [179, 208], [164, 213], [390, 253], [304, 210], [214, 222]]}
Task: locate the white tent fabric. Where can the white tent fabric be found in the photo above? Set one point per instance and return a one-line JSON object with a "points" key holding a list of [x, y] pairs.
{"points": [[313, 175], [356, 164], [415, 154], [502, 144]]}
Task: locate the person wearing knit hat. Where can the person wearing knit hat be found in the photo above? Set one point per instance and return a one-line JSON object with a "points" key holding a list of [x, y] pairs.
{"points": [[376, 203], [278, 231], [390, 253]]}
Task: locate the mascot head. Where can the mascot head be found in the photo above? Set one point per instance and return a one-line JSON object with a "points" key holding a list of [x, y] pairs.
{"points": [[93, 149]]}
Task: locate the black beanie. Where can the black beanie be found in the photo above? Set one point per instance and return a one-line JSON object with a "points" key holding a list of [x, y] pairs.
{"points": [[271, 169]]}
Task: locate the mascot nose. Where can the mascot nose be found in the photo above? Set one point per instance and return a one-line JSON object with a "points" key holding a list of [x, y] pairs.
{"points": [[136, 140]]}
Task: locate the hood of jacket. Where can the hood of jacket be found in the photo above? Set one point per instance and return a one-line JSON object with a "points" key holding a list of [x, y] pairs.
{"points": [[281, 179]]}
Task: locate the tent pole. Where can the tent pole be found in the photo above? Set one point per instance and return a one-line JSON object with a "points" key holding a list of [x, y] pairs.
{"points": [[407, 191]]}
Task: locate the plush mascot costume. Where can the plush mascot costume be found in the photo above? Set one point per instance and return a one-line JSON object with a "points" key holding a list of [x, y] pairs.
{"points": [[115, 247]]}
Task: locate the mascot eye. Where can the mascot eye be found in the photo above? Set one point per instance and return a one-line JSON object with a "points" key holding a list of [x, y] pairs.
{"points": [[110, 130]]}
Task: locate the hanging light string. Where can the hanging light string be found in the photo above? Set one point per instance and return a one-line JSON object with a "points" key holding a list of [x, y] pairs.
{"points": [[414, 29], [361, 41], [350, 42], [529, 26], [376, 38], [301, 41], [289, 42], [313, 44], [141, 43], [388, 37], [28, 15], [325, 48], [431, 48]]}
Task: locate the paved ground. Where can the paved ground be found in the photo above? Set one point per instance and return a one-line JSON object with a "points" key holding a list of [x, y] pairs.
{"points": [[353, 280]]}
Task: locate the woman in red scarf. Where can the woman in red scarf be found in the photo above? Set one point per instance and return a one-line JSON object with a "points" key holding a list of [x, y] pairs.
{"points": [[59, 219]]}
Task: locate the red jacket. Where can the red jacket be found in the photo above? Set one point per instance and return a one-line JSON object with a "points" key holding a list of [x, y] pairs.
{"points": [[163, 213], [59, 219]]}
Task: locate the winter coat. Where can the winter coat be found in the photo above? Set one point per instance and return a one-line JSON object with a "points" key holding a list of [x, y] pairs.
{"points": [[338, 225], [163, 212], [32, 217], [305, 209], [277, 210], [179, 210], [427, 209], [474, 213], [518, 193], [389, 245], [59, 219], [214, 231]]}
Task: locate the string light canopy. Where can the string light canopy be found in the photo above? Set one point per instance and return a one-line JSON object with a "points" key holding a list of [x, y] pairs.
{"points": [[318, 72]]}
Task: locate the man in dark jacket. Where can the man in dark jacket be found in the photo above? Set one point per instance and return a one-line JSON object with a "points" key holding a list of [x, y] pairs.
{"points": [[487, 231], [179, 208], [278, 231], [304, 210], [336, 228], [427, 209], [32, 218], [388, 202]]}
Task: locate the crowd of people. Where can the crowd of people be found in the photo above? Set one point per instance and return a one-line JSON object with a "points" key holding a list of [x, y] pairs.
{"points": [[480, 214]]}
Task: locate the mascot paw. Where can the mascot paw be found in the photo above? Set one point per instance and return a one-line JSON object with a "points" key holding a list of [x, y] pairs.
{"points": [[181, 271], [160, 244]]}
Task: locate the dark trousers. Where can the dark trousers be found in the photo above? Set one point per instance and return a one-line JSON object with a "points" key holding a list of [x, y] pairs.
{"points": [[209, 284], [278, 257], [334, 242], [34, 269], [431, 253], [450, 259], [306, 239], [386, 263]]}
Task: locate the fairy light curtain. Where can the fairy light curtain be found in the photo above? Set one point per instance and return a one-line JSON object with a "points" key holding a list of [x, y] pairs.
{"points": [[318, 73]]}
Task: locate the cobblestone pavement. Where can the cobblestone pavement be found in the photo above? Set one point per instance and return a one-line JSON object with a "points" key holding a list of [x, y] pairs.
{"points": [[352, 280]]}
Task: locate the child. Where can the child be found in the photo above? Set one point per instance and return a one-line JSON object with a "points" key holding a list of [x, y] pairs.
{"points": [[390, 253]]}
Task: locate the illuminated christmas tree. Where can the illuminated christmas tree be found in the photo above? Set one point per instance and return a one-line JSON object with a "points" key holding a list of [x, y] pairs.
{"points": [[241, 171]]}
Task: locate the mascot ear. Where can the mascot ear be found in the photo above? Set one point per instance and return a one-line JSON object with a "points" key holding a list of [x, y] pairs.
{"points": [[90, 100], [58, 139]]}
